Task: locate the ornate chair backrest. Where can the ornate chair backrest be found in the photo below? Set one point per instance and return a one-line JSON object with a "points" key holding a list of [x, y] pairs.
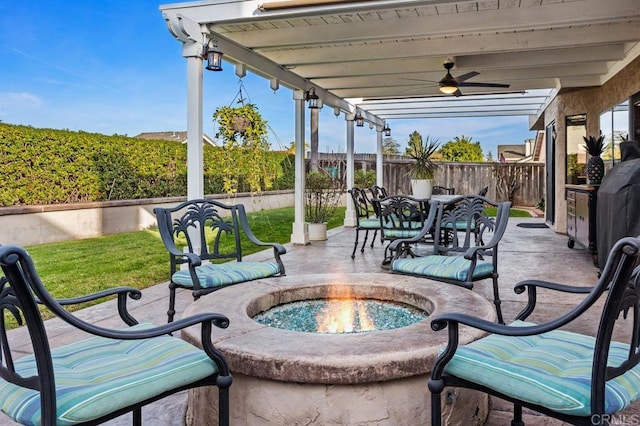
{"points": [[378, 191], [207, 228], [19, 288], [463, 222], [361, 203], [401, 212]]}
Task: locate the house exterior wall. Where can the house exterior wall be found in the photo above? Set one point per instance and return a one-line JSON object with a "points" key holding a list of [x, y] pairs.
{"points": [[590, 101]]}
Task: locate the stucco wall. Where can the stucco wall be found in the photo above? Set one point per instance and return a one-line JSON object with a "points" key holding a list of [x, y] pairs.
{"points": [[592, 101], [30, 225]]}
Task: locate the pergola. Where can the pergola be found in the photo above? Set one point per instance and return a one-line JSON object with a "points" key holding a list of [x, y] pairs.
{"points": [[382, 60]]}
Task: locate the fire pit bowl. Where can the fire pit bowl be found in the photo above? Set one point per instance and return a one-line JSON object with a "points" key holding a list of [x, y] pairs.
{"points": [[284, 377]]}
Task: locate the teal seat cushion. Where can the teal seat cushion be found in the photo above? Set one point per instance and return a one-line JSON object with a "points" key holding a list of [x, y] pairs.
{"points": [[97, 376], [369, 223], [446, 267], [401, 233], [220, 274], [552, 370], [460, 225]]}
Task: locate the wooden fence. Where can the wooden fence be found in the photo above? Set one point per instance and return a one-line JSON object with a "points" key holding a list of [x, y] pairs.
{"points": [[522, 183]]}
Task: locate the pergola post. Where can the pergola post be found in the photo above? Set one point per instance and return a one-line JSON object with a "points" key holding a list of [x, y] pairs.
{"points": [[379, 158], [195, 179], [350, 214], [300, 233]]}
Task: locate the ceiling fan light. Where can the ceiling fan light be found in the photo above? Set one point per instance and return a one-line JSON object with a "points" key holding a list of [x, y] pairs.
{"points": [[448, 89]]}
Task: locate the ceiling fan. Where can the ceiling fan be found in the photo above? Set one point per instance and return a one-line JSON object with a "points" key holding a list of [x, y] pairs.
{"points": [[450, 85]]}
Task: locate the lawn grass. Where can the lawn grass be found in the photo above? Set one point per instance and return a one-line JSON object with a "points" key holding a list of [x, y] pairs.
{"points": [[491, 211]]}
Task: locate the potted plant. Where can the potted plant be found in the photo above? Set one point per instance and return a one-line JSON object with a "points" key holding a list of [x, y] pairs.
{"points": [[322, 199], [423, 169], [595, 166]]}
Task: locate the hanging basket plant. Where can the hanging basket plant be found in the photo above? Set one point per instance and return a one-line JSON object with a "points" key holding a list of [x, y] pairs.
{"points": [[240, 123], [243, 133]]}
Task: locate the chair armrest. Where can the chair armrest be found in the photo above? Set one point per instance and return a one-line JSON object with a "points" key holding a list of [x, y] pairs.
{"points": [[277, 248], [531, 285], [192, 258], [121, 292]]}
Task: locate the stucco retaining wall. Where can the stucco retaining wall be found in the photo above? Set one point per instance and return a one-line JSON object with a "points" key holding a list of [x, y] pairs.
{"points": [[30, 225]]}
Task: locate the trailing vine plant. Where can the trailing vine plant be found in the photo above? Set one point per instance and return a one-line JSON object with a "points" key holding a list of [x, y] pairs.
{"points": [[243, 133]]}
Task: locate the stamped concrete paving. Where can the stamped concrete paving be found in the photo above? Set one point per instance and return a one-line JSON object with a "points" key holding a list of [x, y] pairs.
{"points": [[526, 253]]}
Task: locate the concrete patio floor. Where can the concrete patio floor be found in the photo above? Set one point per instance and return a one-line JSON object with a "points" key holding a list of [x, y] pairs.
{"points": [[525, 253]]}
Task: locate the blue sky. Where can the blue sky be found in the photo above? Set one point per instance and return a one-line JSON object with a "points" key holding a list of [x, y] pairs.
{"points": [[111, 66]]}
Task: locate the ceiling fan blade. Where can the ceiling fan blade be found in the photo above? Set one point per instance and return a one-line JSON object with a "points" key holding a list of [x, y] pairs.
{"points": [[466, 76], [482, 85], [457, 93]]}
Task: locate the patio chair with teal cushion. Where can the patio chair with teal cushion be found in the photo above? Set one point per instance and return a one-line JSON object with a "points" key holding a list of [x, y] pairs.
{"points": [[460, 255], [98, 378], [213, 235], [366, 219], [401, 216], [550, 368]]}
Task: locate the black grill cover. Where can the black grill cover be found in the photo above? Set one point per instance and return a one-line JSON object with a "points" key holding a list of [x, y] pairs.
{"points": [[618, 212]]}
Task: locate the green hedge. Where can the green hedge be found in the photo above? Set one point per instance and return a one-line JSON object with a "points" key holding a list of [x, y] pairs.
{"points": [[46, 166]]}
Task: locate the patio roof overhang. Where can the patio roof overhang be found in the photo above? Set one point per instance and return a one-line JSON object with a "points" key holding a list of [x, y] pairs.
{"points": [[386, 57]]}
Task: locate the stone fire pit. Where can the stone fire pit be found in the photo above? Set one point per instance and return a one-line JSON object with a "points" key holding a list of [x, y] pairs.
{"points": [[284, 377]]}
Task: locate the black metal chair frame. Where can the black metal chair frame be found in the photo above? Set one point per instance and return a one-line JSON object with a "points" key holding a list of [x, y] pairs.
{"points": [[190, 219], [21, 291], [378, 191], [364, 211], [621, 285], [445, 222], [399, 214], [442, 190]]}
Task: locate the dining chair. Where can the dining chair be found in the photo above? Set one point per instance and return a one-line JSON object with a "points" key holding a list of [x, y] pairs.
{"points": [[460, 255], [400, 216], [366, 219]]}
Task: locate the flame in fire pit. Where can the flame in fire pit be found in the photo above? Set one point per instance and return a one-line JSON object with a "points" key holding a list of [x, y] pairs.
{"points": [[344, 315]]}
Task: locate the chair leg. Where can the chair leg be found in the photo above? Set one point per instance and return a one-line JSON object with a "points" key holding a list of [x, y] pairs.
{"points": [[436, 415], [373, 240], [517, 415], [355, 245], [137, 416], [223, 406], [496, 299], [172, 302], [364, 243]]}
